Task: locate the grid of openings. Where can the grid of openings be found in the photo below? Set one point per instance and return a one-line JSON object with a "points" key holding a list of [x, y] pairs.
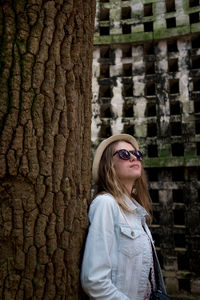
{"points": [[178, 242]]}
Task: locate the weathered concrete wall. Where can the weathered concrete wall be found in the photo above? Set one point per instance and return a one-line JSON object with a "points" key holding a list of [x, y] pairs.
{"points": [[146, 82]]}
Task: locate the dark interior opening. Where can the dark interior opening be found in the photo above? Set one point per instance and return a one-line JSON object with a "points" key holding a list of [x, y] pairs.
{"points": [[148, 26], [179, 217], [177, 149], [198, 149], [156, 217], [105, 111], [150, 67], [177, 174], [172, 46], [104, 1], [127, 51], [125, 13], [105, 52], [152, 151], [173, 86], [104, 14], [128, 90], [196, 84], [197, 106], [177, 196], [156, 238], [160, 258], [127, 69], [195, 42], [197, 127], [126, 29], [183, 261], [154, 195], [196, 61], [194, 18], [175, 108], [173, 65], [150, 89], [193, 3], [148, 11], [152, 174], [179, 240], [151, 109], [129, 129], [149, 48], [105, 131], [171, 22], [151, 129], [104, 30], [104, 71], [170, 5], [184, 285], [128, 110], [176, 128], [105, 91]]}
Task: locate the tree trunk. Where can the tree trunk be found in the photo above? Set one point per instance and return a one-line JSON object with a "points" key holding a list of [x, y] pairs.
{"points": [[45, 116]]}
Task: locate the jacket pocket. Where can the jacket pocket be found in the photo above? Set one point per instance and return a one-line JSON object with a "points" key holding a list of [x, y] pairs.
{"points": [[130, 243]]}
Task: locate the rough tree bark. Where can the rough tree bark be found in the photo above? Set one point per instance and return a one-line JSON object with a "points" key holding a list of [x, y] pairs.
{"points": [[45, 115]]}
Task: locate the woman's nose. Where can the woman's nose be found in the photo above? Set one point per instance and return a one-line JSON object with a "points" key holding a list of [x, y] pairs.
{"points": [[133, 157]]}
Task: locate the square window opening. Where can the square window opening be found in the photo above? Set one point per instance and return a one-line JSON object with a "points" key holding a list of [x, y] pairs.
{"points": [[179, 217], [177, 149], [129, 129], [125, 13], [148, 26], [105, 131], [170, 5], [151, 129], [194, 18], [173, 65], [151, 109], [175, 108], [148, 11], [128, 110], [126, 29], [152, 151], [104, 14], [104, 30], [127, 70], [176, 128], [171, 22], [172, 46]]}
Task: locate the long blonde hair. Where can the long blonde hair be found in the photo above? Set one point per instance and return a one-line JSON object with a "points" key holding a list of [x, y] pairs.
{"points": [[109, 182]]}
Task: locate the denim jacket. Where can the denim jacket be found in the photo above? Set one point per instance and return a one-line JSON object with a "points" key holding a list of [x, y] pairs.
{"points": [[117, 256]]}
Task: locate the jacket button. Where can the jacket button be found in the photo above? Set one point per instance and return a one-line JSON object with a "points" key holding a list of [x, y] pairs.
{"points": [[132, 233]]}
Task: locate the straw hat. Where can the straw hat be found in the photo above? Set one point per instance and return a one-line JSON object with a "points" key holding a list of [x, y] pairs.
{"points": [[102, 146]]}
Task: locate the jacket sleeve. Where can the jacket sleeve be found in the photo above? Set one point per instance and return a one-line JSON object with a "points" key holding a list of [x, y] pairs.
{"points": [[96, 266]]}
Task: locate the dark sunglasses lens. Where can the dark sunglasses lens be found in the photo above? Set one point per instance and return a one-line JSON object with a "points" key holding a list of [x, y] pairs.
{"points": [[124, 154], [138, 154]]}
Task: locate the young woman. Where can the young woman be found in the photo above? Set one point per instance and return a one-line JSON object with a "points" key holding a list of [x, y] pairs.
{"points": [[118, 257]]}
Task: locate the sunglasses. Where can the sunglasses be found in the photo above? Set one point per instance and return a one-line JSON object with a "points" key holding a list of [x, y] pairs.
{"points": [[126, 154]]}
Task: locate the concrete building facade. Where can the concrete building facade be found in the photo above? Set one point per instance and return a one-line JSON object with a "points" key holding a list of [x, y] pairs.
{"points": [[146, 82]]}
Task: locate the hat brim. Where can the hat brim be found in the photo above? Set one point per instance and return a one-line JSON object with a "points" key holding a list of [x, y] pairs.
{"points": [[102, 146]]}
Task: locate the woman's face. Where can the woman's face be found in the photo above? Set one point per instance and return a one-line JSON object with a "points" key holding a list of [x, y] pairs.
{"points": [[127, 170]]}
